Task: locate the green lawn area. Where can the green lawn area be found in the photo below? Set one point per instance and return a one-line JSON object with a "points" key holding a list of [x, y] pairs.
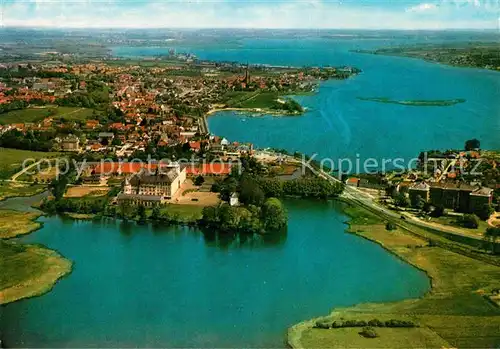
{"points": [[240, 99], [11, 160], [14, 223], [452, 222], [8, 189], [38, 114], [455, 309], [421, 337], [186, 212], [360, 216], [28, 270]]}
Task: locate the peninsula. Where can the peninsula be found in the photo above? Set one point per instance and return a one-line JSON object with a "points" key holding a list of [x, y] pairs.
{"points": [[480, 55]]}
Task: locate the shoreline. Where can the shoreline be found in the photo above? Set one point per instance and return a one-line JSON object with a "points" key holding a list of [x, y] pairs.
{"points": [[412, 250], [261, 111], [420, 58], [49, 265]]}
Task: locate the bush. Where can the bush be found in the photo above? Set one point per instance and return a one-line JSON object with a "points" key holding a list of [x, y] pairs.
{"points": [[376, 323], [322, 324], [439, 211], [485, 212], [390, 226], [399, 323], [470, 221], [199, 180], [368, 332]]}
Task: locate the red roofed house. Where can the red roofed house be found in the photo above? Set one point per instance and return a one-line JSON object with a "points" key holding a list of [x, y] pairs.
{"points": [[214, 169]]}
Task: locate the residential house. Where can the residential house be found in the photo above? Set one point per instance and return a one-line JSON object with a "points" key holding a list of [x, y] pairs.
{"points": [[70, 143], [421, 190], [479, 198]]}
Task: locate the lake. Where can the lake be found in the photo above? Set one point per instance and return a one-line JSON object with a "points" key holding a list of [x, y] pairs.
{"points": [[338, 125], [141, 286]]}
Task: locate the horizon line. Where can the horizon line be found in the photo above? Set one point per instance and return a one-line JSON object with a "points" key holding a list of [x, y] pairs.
{"points": [[248, 28]]}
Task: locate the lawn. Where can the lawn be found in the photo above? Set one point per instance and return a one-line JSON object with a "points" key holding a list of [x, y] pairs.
{"points": [[9, 189], [185, 212], [28, 270], [421, 337], [452, 222], [14, 223], [252, 99], [38, 114], [11, 160], [455, 309]]}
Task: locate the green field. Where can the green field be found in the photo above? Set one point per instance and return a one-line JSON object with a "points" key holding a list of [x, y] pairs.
{"points": [[11, 160], [420, 337], [28, 270], [184, 212], [8, 189], [256, 99], [457, 309], [14, 223], [38, 114]]}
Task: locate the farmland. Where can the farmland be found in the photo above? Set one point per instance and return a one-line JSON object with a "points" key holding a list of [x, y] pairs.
{"points": [[31, 115]]}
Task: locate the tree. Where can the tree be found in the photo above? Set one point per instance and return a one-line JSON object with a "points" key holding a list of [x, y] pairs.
{"points": [[470, 221], [439, 211], [391, 191], [368, 332], [141, 213], [251, 193], [274, 216], [125, 209], [58, 187], [485, 212], [472, 144], [199, 180], [228, 187], [491, 235], [427, 207], [402, 200], [156, 214], [390, 226], [418, 202]]}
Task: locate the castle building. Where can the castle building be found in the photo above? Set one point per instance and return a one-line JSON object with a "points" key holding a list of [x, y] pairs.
{"points": [[151, 189]]}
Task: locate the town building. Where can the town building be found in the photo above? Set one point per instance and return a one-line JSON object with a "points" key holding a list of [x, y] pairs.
{"points": [[461, 197], [70, 143], [421, 190], [154, 188]]}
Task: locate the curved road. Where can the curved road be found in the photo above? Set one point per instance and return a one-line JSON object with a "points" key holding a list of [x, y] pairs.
{"points": [[368, 202]]}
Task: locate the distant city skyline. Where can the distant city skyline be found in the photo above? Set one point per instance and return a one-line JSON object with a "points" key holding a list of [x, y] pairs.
{"points": [[300, 14]]}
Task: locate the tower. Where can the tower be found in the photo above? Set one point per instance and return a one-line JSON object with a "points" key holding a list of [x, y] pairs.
{"points": [[127, 187], [247, 75]]}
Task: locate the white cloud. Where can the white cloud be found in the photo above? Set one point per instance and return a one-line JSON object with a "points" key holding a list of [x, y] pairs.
{"points": [[422, 7], [245, 14]]}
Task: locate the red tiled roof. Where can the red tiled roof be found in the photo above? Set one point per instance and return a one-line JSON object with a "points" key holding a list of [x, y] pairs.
{"points": [[195, 145], [221, 169], [123, 167]]}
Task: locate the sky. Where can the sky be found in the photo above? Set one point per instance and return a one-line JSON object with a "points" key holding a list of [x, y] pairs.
{"points": [[341, 14]]}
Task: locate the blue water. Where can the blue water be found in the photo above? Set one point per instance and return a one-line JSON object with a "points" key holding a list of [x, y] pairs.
{"points": [[339, 125], [170, 287], [138, 286]]}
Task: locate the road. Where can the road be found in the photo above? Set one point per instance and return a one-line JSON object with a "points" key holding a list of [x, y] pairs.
{"points": [[367, 201], [24, 170]]}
